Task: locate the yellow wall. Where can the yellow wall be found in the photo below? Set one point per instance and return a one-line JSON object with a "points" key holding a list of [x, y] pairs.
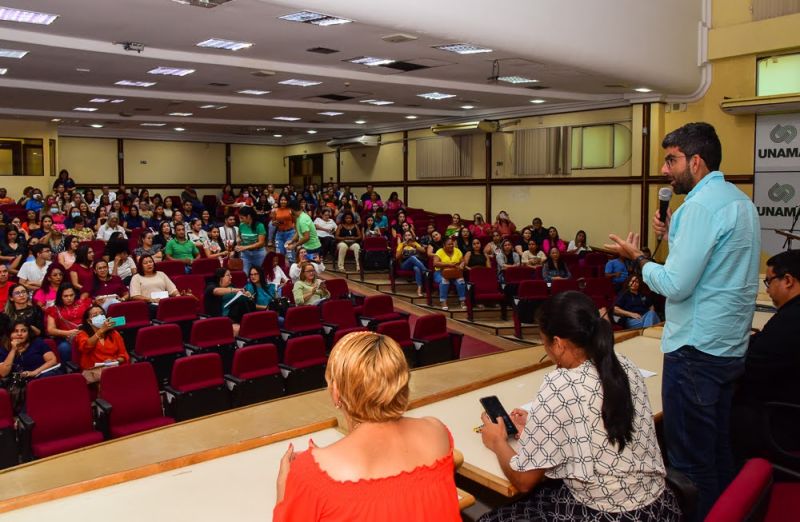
{"points": [[29, 129], [383, 163], [465, 201], [89, 160], [259, 164], [173, 162]]}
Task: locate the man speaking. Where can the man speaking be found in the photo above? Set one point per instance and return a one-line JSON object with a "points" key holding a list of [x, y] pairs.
{"points": [[710, 280]]}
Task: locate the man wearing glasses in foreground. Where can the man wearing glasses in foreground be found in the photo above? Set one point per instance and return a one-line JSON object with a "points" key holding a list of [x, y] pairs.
{"points": [[710, 280]]}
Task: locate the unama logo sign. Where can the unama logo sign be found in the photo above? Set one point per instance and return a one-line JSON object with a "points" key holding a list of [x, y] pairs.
{"points": [[780, 135]]}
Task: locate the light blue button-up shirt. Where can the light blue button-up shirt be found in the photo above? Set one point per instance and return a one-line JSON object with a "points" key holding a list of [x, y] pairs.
{"points": [[710, 278]]}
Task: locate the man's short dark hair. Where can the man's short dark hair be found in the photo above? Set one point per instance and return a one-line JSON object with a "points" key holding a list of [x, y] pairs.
{"points": [[38, 247], [78, 220], [294, 204], [697, 138], [786, 263]]}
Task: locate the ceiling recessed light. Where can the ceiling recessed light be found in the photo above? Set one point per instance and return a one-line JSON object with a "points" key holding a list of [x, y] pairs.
{"points": [[180, 113], [411, 117], [467, 107], [286, 118], [436, 95], [212, 106], [370, 61], [377, 102], [56, 120], [179, 129], [27, 17], [311, 131], [253, 92], [330, 113], [277, 135], [98, 100], [130, 83], [360, 122], [170, 71], [96, 125], [85, 109], [117, 100], [12, 53], [516, 79], [82, 69], [152, 124], [463, 48], [537, 101], [299, 83], [310, 17], [228, 45], [643, 89]]}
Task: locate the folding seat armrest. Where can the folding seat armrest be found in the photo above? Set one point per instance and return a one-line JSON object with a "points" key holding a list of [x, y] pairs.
{"points": [[203, 316], [102, 416], [418, 343], [103, 406], [286, 369], [157, 321], [404, 314], [245, 340], [235, 380], [135, 357], [170, 393], [72, 367], [192, 348], [367, 321], [329, 327], [26, 424]]}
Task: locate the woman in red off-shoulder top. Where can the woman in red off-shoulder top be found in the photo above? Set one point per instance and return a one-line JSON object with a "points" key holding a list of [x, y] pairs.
{"points": [[388, 467]]}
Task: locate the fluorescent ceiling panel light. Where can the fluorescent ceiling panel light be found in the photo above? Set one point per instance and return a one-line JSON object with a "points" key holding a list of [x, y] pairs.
{"points": [[26, 17], [463, 48], [253, 92], [377, 102], [330, 113], [411, 117], [180, 113], [98, 100], [56, 120], [360, 122], [467, 107], [96, 125], [85, 109], [117, 100], [152, 124], [311, 131], [212, 106], [277, 135], [436, 95], [643, 89], [228, 45], [82, 69], [129, 83], [3, 71], [516, 79], [170, 71], [330, 20], [299, 83], [371, 61], [12, 53], [179, 129], [310, 17], [537, 101], [285, 118]]}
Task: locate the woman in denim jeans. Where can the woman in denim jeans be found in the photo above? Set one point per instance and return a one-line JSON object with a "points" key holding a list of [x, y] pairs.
{"points": [[449, 257], [407, 256], [282, 217], [252, 238]]}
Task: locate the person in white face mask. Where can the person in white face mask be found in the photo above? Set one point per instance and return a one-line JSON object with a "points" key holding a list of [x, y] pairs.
{"points": [[100, 346]]}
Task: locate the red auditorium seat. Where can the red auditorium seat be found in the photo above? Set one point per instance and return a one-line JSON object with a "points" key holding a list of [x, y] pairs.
{"points": [[136, 314], [433, 343], [180, 310], [259, 327], [339, 319], [747, 498], [379, 309], [194, 286], [255, 375], [395, 273], [171, 268], [301, 320], [529, 295], [214, 334], [484, 288], [58, 416], [303, 364], [373, 246], [563, 285], [401, 333], [338, 288], [129, 400], [287, 292], [205, 266], [197, 387], [238, 278], [8, 436], [160, 346], [601, 290], [98, 246]]}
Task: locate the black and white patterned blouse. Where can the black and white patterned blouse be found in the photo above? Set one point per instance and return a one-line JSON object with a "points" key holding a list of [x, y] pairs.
{"points": [[565, 435]]}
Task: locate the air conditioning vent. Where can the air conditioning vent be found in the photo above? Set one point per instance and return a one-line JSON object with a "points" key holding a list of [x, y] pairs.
{"points": [[355, 141], [322, 50], [470, 127], [398, 38]]}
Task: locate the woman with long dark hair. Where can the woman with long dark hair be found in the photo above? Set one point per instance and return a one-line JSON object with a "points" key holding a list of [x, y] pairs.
{"points": [[99, 344], [64, 318], [81, 274], [590, 425], [555, 267], [19, 307]]}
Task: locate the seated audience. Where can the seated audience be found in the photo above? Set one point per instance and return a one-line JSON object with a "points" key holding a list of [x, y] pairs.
{"points": [[371, 229], [381, 219], [31, 273], [475, 256], [326, 232], [617, 272], [454, 226], [45, 296], [493, 246], [634, 307], [67, 257], [521, 244], [109, 227], [148, 246], [263, 291], [302, 257], [80, 230], [435, 244], [533, 256], [578, 245], [505, 258], [590, 426], [394, 202], [400, 225], [99, 344], [151, 285], [214, 246], [180, 248], [555, 267], [164, 235], [13, 249], [373, 203], [504, 225], [277, 276], [23, 352], [196, 234], [121, 263], [479, 228], [108, 288], [64, 318], [5, 286], [309, 289], [553, 241], [367, 377], [408, 255], [133, 220], [463, 240], [348, 237], [448, 266], [222, 299]]}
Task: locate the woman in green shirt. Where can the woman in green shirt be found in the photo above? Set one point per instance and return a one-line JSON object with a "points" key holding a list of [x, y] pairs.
{"points": [[309, 289], [252, 234]]}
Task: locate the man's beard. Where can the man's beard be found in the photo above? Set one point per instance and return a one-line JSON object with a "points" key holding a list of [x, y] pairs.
{"points": [[684, 183]]}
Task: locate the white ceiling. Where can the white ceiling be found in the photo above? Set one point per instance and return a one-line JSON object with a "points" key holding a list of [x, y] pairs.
{"points": [[585, 54]]}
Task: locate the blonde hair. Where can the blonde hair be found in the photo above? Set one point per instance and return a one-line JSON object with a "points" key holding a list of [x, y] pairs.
{"points": [[371, 374]]}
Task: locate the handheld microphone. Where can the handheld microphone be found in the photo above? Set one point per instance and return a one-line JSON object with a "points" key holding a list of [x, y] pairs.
{"points": [[664, 195]]}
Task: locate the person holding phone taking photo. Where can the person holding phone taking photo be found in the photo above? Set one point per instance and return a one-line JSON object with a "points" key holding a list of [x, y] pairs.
{"points": [[99, 344]]}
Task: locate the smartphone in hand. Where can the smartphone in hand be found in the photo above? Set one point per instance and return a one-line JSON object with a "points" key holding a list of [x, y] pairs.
{"points": [[494, 409]]}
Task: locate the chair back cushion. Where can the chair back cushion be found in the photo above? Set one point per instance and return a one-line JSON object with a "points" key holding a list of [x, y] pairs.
{"points": [[197, 372], [132, 391]]}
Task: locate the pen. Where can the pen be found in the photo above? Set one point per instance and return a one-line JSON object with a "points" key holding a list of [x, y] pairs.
{"points": [[477, 429]]}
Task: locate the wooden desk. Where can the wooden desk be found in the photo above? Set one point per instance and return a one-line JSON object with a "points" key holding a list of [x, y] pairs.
{"points": [[761, 318], [238, 487], [462, 413]]}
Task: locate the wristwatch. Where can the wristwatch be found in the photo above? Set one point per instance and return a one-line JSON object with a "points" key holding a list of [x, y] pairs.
{"points": [[641, 260]]}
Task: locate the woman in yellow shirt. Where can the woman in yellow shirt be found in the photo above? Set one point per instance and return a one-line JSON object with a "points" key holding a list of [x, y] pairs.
{"points": [[407, 256], [448, 263]]}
